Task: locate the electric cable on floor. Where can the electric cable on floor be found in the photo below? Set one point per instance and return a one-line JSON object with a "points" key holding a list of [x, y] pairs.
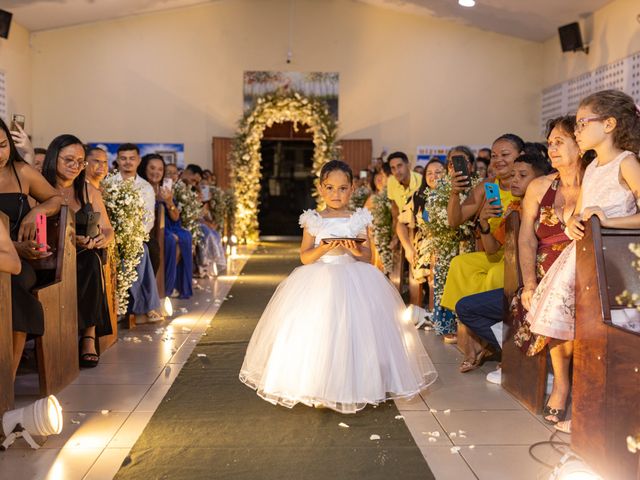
{"points": [[553, 443]]}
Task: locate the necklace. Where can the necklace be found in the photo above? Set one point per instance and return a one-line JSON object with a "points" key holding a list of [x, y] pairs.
{"points": [[66, 193]]}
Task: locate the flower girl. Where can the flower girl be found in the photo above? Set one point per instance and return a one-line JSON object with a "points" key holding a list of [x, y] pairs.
{"points": [[333, 333]]}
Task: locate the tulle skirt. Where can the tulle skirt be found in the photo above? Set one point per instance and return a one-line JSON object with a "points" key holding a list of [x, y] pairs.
{"points": [[333, 334]]}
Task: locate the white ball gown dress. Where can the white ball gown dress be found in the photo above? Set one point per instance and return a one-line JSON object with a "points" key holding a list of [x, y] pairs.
{"points": [[333, 333]]}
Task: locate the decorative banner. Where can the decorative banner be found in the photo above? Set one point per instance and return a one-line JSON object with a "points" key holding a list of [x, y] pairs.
{"points": [[424, 153], [171, 152], [320, 85]]}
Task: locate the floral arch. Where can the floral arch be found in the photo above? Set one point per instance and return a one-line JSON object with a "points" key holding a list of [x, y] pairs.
{"points": [[246, 158]]}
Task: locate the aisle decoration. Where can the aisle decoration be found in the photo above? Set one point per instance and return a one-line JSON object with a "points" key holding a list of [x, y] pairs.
{"points": [[383, 229], [125, 207], [245, 157], [217, 206], [359, 197], [190, 207]]}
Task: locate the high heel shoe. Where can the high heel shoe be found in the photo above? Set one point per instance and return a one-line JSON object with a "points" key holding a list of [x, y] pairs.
{"points": [[88, 360], [556, 412]]}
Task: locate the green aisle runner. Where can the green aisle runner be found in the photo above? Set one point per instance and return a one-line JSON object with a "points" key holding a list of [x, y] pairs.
{"points": [[211, 426]]}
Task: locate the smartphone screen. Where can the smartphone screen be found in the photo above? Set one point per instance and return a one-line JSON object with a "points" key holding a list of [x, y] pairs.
{"points": [[41, 232], [492, 192], [204, 189], [167, 183], [460, 164], [363, 173]]}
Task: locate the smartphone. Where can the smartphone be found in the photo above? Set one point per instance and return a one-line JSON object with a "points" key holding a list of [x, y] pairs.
{"points": [[93, 224], [364, 173], [17, 119], [204, 189], [41, 232], [460, 164], [492, 192], [167, 183]]}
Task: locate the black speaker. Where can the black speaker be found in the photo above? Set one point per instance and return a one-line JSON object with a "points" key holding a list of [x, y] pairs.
{"points": [[5, 23], [570, 37]]}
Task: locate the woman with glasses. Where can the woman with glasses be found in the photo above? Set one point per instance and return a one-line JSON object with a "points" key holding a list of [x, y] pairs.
{"points": [[63, 167], [18, 181]]}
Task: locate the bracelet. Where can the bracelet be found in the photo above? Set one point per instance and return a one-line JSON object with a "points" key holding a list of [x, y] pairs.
{"points": [[484, 231]]}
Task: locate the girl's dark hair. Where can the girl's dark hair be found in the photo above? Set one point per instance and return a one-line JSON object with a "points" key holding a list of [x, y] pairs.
{"points": [[144, 162], [50, 164], [619, 105], [14, 156], [514, 139], [334, 165]]}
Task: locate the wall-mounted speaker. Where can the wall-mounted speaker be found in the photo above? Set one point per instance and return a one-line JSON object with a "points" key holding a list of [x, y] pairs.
{"points": [[5, 23], [571, 38]]}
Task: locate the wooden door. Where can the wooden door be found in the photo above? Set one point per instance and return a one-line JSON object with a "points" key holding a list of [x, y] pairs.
{"points": [[221, 149], [357, 153]]}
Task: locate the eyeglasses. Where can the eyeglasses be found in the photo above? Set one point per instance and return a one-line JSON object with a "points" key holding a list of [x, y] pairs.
{"points": [[583, 122], [72, 162]]}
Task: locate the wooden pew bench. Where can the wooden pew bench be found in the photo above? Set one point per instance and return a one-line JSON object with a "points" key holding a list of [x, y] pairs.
{"points": [[524, 377], [6, 337], [606, 362], [57, 349]]}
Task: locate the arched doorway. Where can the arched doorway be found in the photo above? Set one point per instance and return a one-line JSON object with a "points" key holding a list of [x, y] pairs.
{"points": [[277, 108]]}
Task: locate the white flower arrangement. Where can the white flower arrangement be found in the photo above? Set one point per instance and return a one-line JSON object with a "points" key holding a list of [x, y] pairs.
{"points": [[383, 229], [190, 209], [245, 157], [217, 206], [439, 236], [359, 197], [126, 210]]}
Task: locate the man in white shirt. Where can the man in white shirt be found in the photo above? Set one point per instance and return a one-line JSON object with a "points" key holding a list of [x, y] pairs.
{"points": [[144, 298]]}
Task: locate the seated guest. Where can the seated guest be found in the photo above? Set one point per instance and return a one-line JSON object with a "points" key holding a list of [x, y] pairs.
{"points": [[144, 292], [97, 166], [378, 194], [63, 168], [178, 256], [400, 186], [18, 181], [9, 259], [38, 158], [209, 250], [478, 312], [172, 172], [481, 168]]}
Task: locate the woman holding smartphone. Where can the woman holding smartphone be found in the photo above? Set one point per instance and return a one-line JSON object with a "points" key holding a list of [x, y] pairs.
{"points": [[18, 181], [178, 257], [63, 167]]}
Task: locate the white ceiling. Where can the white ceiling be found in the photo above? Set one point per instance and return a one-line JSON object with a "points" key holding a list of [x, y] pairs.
{"points": [[535, 20]]}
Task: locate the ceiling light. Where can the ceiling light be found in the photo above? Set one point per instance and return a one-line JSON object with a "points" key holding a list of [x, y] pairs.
{"points": [[467, 3], [42, 418]]}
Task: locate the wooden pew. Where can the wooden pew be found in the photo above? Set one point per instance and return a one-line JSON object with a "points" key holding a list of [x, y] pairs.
{"points": [[6, 337], [524, 377], [109, 270], [57, 349], [606, 362]]}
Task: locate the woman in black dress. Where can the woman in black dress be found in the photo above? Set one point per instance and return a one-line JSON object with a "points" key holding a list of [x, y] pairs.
{"points": [[63, 167], [18, 181]]}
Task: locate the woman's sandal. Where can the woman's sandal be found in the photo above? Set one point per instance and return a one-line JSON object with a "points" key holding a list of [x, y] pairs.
{"points": [[88, 360], [556, 412], [480, 358]]}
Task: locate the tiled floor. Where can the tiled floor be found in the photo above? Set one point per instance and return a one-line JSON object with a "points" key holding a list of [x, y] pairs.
{"points": [[107, 408], [492, 431]]}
